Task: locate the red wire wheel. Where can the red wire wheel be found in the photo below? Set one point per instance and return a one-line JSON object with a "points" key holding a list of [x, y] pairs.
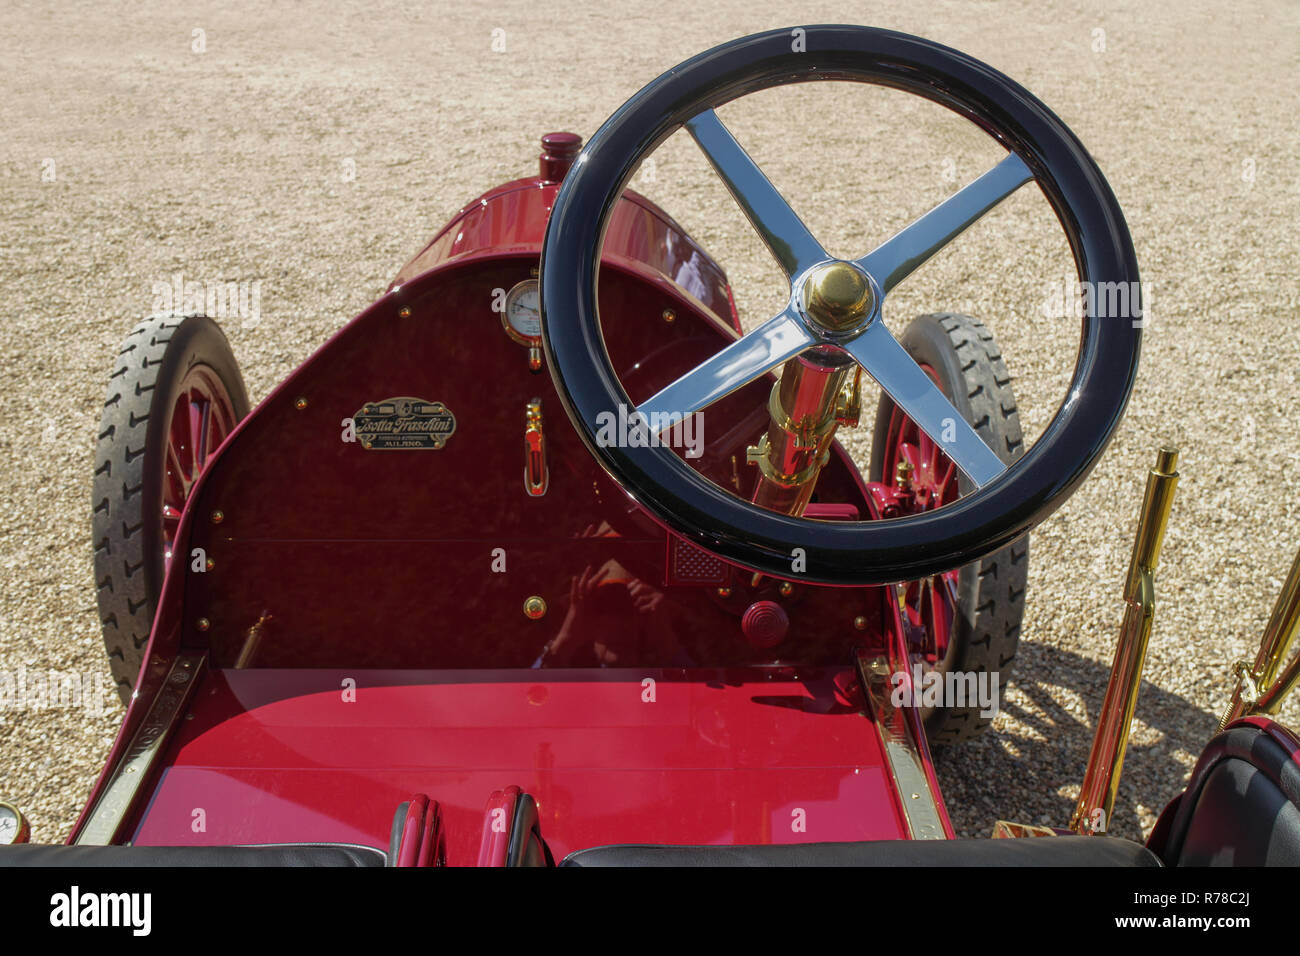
{"points": [[174, 395], [202, 416], [928, 479]]}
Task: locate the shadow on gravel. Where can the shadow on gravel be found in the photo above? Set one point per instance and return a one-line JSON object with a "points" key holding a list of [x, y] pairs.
{"points": [[1020, 773]]}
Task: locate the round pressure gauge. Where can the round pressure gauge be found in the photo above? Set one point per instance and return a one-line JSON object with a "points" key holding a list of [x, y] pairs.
{"points": [[13, 826], [522, 317]]}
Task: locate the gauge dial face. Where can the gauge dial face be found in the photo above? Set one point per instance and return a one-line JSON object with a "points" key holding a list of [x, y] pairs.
{"points": [[8, 826], [523, 317]]}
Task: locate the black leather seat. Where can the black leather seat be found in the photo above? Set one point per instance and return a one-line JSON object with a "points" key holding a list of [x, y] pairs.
{"points": [[1026, 851], [280, 854], [1239, 808]]}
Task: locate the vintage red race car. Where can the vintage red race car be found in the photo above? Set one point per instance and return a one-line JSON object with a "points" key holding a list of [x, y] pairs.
{"points": [[544, 558]]}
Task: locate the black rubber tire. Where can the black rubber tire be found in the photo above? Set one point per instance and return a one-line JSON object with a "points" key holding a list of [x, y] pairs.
{"points": [[990, 592], [126, 520]]}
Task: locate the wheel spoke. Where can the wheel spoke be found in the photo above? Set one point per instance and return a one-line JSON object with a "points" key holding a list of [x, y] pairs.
{"points": [[181, 440], [901, 255], [907, 452], [780, 228], [177, 474], [941, 470], [201, 425], [912, 390], [925, 447], [757, 352]]}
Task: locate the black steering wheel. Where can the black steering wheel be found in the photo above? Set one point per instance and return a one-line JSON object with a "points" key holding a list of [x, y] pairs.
{"points": [[835, 307]]}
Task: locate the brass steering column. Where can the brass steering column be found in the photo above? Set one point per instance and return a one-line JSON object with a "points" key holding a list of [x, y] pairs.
{"points": [[814, 396]]}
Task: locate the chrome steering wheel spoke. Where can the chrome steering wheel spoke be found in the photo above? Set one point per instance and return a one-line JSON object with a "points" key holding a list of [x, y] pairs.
{"points": [[753, 354], [885, 360], [902, 254], [786, 237]]}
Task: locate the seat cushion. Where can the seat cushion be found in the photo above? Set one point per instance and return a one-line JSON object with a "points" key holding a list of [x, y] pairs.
{"points": [[280, 854], [1240, 807], [1028, 851]]}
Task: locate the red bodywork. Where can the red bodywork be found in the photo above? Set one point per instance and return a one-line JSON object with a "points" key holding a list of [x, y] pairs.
{"points": [[357, 643]]}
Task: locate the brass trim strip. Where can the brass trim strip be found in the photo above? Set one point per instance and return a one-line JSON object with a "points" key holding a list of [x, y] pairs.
{"points": [[147, 745], [919, 802]]}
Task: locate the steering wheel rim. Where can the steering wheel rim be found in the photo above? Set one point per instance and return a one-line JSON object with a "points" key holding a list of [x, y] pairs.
{"points": [[843, 553]]}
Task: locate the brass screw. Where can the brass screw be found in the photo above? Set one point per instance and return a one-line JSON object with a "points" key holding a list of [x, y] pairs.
{"points": [[404, 312], [724, 592], [535, 608], [218, 516], [786, 589], [669, 315], [203, 624], [300, 404], [860, 622]]}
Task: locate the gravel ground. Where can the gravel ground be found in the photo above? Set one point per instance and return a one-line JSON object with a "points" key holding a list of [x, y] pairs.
{"points": [[314, 147]]}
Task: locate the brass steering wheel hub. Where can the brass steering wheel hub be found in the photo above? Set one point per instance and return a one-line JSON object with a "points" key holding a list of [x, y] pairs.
{"points": [[837, 296]]}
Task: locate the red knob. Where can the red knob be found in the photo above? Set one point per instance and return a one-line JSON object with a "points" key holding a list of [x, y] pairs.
{"points": [[765, 624], [558, 152]]}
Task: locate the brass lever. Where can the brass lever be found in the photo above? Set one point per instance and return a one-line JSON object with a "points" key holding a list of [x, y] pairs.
{"points": [[1101, 778], [536, 476], [1260, 688]]}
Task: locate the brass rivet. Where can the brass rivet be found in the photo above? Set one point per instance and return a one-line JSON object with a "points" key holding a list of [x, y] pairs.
{"points": [[724, 592], [669, 315], [203, 624], [860, 622], [535, 608], [786, 589], [300, 404], [404, 312], [218, 516]]}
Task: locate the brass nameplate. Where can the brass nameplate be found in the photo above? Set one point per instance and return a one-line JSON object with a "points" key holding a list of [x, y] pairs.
{"points": [[397, 424]]}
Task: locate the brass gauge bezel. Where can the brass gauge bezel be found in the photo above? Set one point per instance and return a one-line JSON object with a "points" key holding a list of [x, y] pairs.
{"points": [[530, 341], [22, 830]]}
